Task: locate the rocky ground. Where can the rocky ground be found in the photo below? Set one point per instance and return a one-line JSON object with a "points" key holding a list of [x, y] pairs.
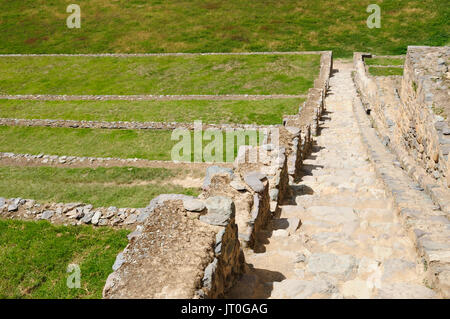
{"points": [[341, 238]]}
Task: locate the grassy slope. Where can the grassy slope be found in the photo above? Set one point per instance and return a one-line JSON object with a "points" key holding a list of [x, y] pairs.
{"points": [[34, 257], [385, 71], [384, 61], [151, 144], [114, 186], [250, 74], [263, 112], [38, 26]]}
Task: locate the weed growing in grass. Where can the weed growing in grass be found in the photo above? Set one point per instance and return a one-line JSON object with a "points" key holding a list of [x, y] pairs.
{"points": [[439, 110]]}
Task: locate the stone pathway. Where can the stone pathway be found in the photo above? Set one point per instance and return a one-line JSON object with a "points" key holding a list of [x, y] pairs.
{"points": [[341, 238]]}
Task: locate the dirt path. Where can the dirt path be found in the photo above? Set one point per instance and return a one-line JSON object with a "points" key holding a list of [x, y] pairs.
{"points": [[341, 238]]}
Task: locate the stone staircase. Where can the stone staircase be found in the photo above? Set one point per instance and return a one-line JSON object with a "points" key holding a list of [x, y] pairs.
{"points": [[340, 236]]}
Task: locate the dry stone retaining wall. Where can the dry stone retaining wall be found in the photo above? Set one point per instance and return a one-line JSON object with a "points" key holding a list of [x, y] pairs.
{"points": [[407, 123], [309, 114], [246, 190], [128, 125], [307, 119], [424, 90], [127, 55], [77, 161], [71, 213], [426, 225], [185, 249], [150, 97], [255, 189], [235, 199]]}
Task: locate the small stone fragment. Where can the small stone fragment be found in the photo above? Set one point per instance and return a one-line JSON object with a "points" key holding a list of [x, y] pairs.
{"points": [[193, 205], [47, 214], [96, 217], [254, 181], [13, 207], [87, 218], [220, 211], [239, 186], [130, 219], [212, 170]]}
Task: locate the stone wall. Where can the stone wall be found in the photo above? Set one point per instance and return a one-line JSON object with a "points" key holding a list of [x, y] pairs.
{"points": [[128, 55], [185, 249], [402, 109], [252, 189], [426, 225], [424, 90], [309, 114], [149, 97], [127, 125], [407, 123], [244, 198], [257, 190], [83, 161], [307, 119], [71, 213]]}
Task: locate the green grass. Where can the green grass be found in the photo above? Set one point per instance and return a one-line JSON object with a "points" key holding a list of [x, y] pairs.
{"points": [[264, 112], [38, 26], [114, 186], [385, 61], [439, 110], [217, 74], [34, 257], [143, 144], [385, 71]]}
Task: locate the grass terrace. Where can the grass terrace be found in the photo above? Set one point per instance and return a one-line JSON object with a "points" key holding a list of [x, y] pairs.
{"points": [[38, 26], [142, 144], [113, 186], [263, 112], [34, 257], [377, 71], [161, 75], [385, 61]]}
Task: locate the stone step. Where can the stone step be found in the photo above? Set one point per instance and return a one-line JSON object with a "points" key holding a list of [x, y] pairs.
{"points": [[284, 226], [344, 189], [338, 200], [340, 236], [404, 291], [302, 289]]}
